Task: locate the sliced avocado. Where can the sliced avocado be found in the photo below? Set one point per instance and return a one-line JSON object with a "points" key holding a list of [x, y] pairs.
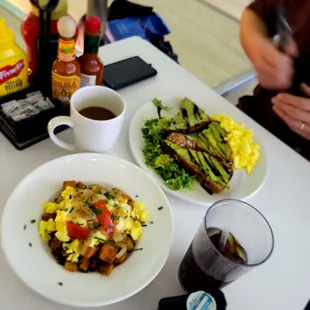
{"points": [[208, 134], [214, 162], [220, 135], [220, 129], [208, 169], [195, 156], [193, 113], [204, 142], [178, 122], [226, 149], [179, 150], [215, 133]]}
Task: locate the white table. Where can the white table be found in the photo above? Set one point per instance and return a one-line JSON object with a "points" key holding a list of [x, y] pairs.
{"points": [[281, 283]]}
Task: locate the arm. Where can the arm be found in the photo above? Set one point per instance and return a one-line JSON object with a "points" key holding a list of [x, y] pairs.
{"points": [[253, 31], [274, 69]]}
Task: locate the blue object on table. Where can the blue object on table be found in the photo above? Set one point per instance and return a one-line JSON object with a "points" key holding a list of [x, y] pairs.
{"points": [[145, 27]]}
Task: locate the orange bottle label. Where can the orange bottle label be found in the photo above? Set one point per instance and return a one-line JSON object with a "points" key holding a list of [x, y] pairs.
{"points": [[66, 50], [63, 87]]}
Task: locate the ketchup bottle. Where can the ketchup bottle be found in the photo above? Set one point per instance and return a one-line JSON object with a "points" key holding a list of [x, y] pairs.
{"points": [[30, 30], [91, 64]]}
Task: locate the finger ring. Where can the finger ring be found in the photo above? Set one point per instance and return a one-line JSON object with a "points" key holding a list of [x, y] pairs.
{"points": [[302, 126]]}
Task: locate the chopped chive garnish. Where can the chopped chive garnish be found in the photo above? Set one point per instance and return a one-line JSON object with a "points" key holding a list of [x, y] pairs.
{"points": [[71, 210], [95, 210], [80, 224], [115, 204], [108, 242], [30, 244], [137, 196], [100, 239], [70, 196], [151, 222], [60, 283], [144, 225], [138, 249], [66, 209], [25, 226], [160, 208], [109, 196], [32, 221], [106, 202]]}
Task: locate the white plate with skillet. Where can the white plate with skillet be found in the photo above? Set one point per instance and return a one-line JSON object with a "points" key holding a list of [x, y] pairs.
{"points": [[30, 257], [250, 183]]}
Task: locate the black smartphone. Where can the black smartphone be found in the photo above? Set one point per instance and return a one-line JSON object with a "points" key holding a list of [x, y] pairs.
{"points": [[127, 72]]}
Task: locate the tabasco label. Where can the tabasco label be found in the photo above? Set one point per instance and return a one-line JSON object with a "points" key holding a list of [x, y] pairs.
{"points": [[63, 87], [66, 50]]}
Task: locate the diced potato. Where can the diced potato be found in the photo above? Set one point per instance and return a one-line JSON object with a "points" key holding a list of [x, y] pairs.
{"points": [[46, 216], [107, 253], [129, 243], [71, 266], [59, 258], [59, 199], [105, 269], [120, 260], [93, 264], [68, 183], [91, 251], [125, 196], [80, 185], [84, 265], [55, 244]]}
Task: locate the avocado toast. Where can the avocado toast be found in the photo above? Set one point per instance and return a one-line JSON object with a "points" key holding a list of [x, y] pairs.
{"points": [[189, 119], [197, 144]]}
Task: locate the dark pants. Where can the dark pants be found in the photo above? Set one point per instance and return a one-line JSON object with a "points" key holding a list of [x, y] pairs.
{"points": [[259, 108]]}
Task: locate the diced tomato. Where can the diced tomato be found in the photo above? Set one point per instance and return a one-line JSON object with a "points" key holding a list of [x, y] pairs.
{"points": [[104, 216], [77, 232]]}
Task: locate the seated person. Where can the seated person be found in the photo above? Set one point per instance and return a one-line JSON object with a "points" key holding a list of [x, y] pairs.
{"points": [[281, 101]]}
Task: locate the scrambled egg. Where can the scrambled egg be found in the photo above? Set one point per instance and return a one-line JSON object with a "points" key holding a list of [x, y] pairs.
{"points": [[127, 218], [45, 228], [245, 150], [73, 250], [61, 226]]}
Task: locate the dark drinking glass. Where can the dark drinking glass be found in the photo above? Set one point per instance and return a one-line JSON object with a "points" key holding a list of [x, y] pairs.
{"points": [[207, 264]]}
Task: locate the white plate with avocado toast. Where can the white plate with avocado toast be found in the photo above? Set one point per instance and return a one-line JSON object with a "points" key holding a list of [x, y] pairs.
{"points": [[195, 156]]}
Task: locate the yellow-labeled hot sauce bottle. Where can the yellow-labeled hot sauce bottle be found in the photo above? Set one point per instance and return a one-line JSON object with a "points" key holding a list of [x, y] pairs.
{"points": [[66, 68]]}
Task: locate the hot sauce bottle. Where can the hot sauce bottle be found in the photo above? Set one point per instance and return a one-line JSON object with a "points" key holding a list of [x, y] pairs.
{"points": [[91, 64], [66, 68]]}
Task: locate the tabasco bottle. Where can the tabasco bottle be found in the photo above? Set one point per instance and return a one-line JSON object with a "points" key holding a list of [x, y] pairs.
{"points": [[91, 64], [66, 68]]}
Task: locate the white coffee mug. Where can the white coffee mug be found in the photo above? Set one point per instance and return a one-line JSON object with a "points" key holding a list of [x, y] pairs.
{"points": [[91, 135]]}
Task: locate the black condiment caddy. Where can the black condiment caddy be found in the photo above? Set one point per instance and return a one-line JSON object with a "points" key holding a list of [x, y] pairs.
{"points": [[32, 130]]}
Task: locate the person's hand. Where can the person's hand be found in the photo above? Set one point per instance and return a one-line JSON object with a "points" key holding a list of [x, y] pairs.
{"points": [[294, 111], [274, 69]]}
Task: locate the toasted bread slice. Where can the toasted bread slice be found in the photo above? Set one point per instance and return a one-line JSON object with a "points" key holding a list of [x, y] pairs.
{"points": [[214, 140], [191, 143], [195, 164], [190, 118]]}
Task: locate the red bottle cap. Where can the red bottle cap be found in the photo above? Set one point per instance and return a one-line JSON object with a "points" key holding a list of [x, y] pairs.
{"points": [[93, 24]]}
